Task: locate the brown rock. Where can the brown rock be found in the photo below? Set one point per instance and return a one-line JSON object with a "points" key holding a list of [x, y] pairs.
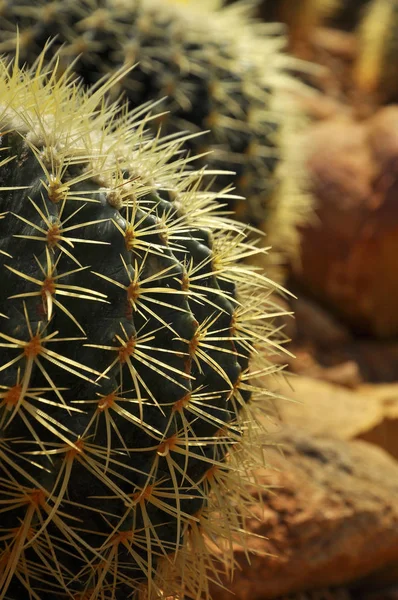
{"points": [[344, 374], [384, 432], [390, 593], [324, 409], [383, 139], [317, 325], [333, 519], [377, 359], [348, 258]]}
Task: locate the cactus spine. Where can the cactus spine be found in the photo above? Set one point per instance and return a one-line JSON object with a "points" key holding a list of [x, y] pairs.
{"points": [[130, 335], [221, 72]]}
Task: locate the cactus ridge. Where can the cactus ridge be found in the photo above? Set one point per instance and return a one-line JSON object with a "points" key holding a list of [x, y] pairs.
{"points": [[216, 69], [132, 348]]}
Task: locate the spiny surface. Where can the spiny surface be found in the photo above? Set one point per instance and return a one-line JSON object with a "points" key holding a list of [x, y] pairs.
{"points": [[129, 333], [215, 69]]}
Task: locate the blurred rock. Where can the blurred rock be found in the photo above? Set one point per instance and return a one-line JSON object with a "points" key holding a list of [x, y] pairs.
{"points": [[333, 519], [370, 590], [324, 409], [386, 594], [317, 325], [377, 360], [383, 140], [348, 258], [384, 432], [327, 410], [345, 374]]}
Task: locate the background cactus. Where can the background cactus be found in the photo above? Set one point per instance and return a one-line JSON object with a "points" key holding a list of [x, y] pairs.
{"points": [[130, 336], [375, 70], [219, 70]]}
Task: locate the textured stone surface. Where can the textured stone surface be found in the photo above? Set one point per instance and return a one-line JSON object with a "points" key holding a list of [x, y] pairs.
{"points": [[333, 519], [321, 408]]}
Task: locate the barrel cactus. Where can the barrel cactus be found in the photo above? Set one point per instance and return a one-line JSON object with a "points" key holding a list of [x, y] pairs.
{"points": [[132, 341], [216, 69]]}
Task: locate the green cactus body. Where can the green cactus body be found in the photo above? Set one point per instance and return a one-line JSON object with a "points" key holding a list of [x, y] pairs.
{"points": [[216, 70], [127, 335]]}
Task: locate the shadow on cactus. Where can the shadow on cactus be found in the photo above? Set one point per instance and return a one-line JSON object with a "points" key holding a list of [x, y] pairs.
{"points": [[130, 335], [215, 68]]}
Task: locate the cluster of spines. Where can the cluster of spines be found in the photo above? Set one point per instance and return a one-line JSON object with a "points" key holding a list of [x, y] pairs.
{"points": [[149, 354], [216, 69]]}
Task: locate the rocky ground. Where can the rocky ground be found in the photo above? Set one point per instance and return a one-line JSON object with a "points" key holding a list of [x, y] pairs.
{"points": [[330, 519]]}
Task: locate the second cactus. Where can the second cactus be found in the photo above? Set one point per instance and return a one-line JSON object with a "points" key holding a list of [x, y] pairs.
{"points": [[216, 69]]}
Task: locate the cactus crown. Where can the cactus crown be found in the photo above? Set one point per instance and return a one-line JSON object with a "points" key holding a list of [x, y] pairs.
{"points": [[217, 69], [130, 336]]}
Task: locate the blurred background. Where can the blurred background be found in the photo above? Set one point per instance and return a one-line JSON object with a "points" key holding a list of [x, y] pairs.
{"points": [[332, 526]]}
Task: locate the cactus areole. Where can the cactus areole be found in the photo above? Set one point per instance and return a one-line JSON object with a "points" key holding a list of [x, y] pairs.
{"points": [[214, 68], [129, 331]]}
